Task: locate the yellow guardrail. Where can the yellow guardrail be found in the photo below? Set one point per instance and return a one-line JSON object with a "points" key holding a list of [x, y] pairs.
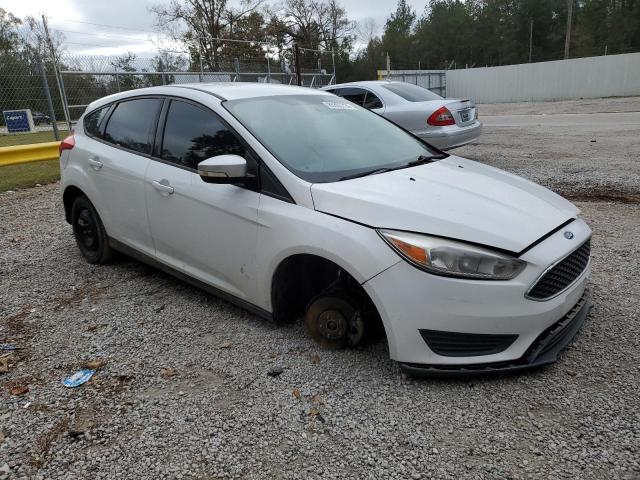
{"points": [[34, 152]]}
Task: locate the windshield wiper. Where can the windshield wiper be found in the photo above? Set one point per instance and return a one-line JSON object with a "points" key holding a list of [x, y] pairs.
{"points": [[418, 161], [422, 159], [367, 173]]}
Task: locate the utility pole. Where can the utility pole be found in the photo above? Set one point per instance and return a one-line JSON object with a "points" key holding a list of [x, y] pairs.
{"points": [[530, 40], [333, 62], [296, 50], [567, 38], [54, 60], [45, 86]]}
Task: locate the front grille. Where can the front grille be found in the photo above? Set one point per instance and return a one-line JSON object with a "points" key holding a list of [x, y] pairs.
{"points": [[457, 344], [561, 275]]}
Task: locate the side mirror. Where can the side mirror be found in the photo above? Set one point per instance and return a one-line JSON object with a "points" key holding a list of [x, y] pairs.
{"points": [[223, 169]]}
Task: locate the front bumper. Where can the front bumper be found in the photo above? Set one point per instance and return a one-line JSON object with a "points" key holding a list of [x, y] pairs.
{"points": [[414, 304], [544, 350]]}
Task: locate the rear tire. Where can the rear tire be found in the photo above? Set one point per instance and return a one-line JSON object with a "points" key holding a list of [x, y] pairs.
{"points": [[89, 231]]}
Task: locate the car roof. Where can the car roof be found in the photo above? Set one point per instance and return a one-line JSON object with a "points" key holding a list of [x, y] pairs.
{"points": [[221, 90]]}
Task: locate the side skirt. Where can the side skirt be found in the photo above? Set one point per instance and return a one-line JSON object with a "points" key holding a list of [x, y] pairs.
{"points": [[144, 258]]}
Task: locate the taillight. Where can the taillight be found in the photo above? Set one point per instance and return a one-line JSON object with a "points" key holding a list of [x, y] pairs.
{"points": [[441, 117], [67, 144]]}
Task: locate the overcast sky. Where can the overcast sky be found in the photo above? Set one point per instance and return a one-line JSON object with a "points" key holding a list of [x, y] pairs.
{"points": [[77, 19]]}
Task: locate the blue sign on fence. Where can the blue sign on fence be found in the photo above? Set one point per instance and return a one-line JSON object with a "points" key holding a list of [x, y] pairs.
{"points": [[18, 120]]}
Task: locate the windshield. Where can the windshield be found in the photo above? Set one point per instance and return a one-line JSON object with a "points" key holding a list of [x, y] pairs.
{"points": [[411, 93], [321, 138]]}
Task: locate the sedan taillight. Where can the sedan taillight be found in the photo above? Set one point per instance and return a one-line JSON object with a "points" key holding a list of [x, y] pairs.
{"points": [[441, 117], [67, 144]]}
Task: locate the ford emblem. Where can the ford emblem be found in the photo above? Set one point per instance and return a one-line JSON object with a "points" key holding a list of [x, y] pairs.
{"points": [[568, 235]]}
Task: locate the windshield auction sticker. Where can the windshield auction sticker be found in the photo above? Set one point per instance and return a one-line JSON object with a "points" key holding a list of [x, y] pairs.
{"points": [[339, 106]]}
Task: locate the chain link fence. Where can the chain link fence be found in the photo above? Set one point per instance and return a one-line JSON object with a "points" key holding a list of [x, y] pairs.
{"points": [[57, 93], [29, 100], [86, 78]]}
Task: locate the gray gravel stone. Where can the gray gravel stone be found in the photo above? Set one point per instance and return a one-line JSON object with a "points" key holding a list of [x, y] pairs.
{"points": [[354, 414]]}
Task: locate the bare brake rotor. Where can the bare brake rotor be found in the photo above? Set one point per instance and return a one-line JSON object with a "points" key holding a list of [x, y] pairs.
{"points": [[333, 322]]}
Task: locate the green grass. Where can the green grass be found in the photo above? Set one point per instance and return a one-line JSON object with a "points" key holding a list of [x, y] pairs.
{"points": [[9, 140], [28, 174]]}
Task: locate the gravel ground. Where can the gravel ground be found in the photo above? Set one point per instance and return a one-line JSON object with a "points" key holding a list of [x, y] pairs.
{"points": [[186, 391], [581, 156], [591, 105]]}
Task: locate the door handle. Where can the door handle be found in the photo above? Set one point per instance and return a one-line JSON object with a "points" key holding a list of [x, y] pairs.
{"points": [[162, 187], [95, 163]]}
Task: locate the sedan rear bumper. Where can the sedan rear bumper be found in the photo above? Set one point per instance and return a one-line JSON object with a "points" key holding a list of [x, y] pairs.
{"points": [[543, 351], [452, 136]]}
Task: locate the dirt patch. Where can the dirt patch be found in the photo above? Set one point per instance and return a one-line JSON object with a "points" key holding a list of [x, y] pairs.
{"points": [[595, 195], [46, 439]]}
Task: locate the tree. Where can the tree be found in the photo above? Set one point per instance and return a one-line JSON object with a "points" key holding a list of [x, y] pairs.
{"points": [[397, 37], [201, 23], [9, 38]]}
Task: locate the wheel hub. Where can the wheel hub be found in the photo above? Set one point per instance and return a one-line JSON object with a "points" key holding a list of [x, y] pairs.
{"points": [[332, 324], [86, 229]]}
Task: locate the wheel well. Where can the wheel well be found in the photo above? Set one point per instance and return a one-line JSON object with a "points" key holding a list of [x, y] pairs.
{"points": [[300, 278], [68, 197]]}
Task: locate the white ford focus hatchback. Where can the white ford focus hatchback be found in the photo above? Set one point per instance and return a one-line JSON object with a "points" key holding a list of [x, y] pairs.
{"points": [[296, 204]]}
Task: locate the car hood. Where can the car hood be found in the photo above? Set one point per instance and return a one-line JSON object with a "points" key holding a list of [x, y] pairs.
{"points": [[454, 198]]}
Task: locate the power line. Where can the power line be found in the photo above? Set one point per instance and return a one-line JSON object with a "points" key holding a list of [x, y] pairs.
{"points": [[106, 34], [84, 44], [107, 26]]}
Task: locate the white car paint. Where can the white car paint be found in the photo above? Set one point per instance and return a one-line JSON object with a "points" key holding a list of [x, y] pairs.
{"points": [[454, 198], [234, 239]]}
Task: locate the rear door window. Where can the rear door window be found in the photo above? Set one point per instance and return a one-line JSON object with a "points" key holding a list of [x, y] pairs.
{"points": [[355, 95], [193, 134], [131, 123]]}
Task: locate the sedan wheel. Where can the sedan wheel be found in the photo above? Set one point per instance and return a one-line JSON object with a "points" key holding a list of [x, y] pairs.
{"points": [[89, 231]]}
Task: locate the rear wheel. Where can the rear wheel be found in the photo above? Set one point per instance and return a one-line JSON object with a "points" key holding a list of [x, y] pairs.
{"points": [[89, 231], [334, 322]]}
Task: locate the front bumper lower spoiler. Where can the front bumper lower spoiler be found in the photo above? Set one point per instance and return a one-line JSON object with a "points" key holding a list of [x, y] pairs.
{"points": [[543, 351]]}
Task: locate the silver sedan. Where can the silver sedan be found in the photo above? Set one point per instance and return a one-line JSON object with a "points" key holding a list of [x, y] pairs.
{"points": [[443, 122]]}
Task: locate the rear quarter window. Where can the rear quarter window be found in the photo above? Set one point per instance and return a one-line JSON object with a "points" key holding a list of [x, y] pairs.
{"points": [[92, 121]]}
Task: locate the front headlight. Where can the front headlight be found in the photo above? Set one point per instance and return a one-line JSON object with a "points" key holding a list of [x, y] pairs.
{"points": [[452, 258]]}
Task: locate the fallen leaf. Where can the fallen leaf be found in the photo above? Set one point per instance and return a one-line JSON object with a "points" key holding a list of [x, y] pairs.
{"points": [[314, 411], [19, 390], [168, 372], [92, 328], [226, 344], [4, 364], [315, 359], [96, 364], [317, 400], [296, 393], [141, 323]]}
